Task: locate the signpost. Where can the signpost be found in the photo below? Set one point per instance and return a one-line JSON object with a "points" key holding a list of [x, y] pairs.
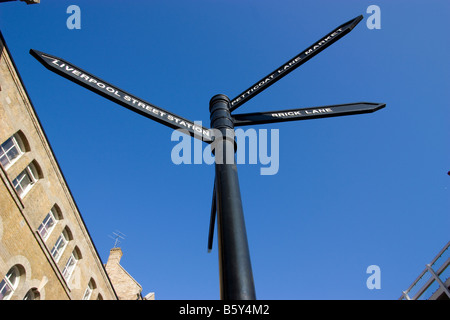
{"points": [[236, 278], [305, 113]]}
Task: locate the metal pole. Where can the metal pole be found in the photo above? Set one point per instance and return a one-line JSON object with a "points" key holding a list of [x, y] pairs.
{"points": [[236, 277]]}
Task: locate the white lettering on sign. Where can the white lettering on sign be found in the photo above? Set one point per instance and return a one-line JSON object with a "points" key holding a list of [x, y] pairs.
{"points": [[296, 113], [322, 42], [318, 111], [131, 100], [288, 66]]}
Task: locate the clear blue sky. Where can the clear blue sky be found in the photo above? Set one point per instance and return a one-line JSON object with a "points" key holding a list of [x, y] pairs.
{"points": [[350, 192]]}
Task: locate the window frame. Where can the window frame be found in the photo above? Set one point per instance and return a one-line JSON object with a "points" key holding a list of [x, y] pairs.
{"points": [[52, 214], [32, 176], [89, 290], [64, 237], [69, 268], [32, 294], [7, 283], [16, 144]]}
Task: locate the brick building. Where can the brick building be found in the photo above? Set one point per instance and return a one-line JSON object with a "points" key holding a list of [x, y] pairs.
{"points": [[46, 251]]}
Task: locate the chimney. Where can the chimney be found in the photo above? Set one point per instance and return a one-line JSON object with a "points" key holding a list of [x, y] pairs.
{"points": [[115, 254]]}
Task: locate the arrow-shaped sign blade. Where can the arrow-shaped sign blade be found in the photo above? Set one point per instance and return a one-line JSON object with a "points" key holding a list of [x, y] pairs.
{"points": [[123, 98], [294, 63], [246, 119]]}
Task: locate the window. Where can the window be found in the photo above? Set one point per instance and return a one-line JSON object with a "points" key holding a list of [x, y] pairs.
{"points": [[9, 283], [49, 223], [89, 290], [26, 179], [70, 265], [60, 245], [10, 151], [32, 294]]}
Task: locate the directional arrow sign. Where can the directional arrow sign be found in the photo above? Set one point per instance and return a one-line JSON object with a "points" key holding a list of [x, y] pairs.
{"points": [[306, 113], [129, 101], [295, 62]]}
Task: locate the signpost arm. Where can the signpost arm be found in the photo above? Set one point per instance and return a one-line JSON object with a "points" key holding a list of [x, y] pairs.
{"points": [[295, 62], [236, 277], [246, 119], [123, 98]]}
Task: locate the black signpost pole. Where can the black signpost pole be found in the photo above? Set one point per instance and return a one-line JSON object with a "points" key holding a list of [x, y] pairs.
{"points": [[236, 277]]}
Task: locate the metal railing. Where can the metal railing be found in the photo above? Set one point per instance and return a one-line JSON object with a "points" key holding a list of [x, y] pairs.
{"points": [[433, 275]]}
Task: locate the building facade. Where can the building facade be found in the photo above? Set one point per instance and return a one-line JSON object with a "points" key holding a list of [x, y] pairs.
{"points": [[46, 251]]}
